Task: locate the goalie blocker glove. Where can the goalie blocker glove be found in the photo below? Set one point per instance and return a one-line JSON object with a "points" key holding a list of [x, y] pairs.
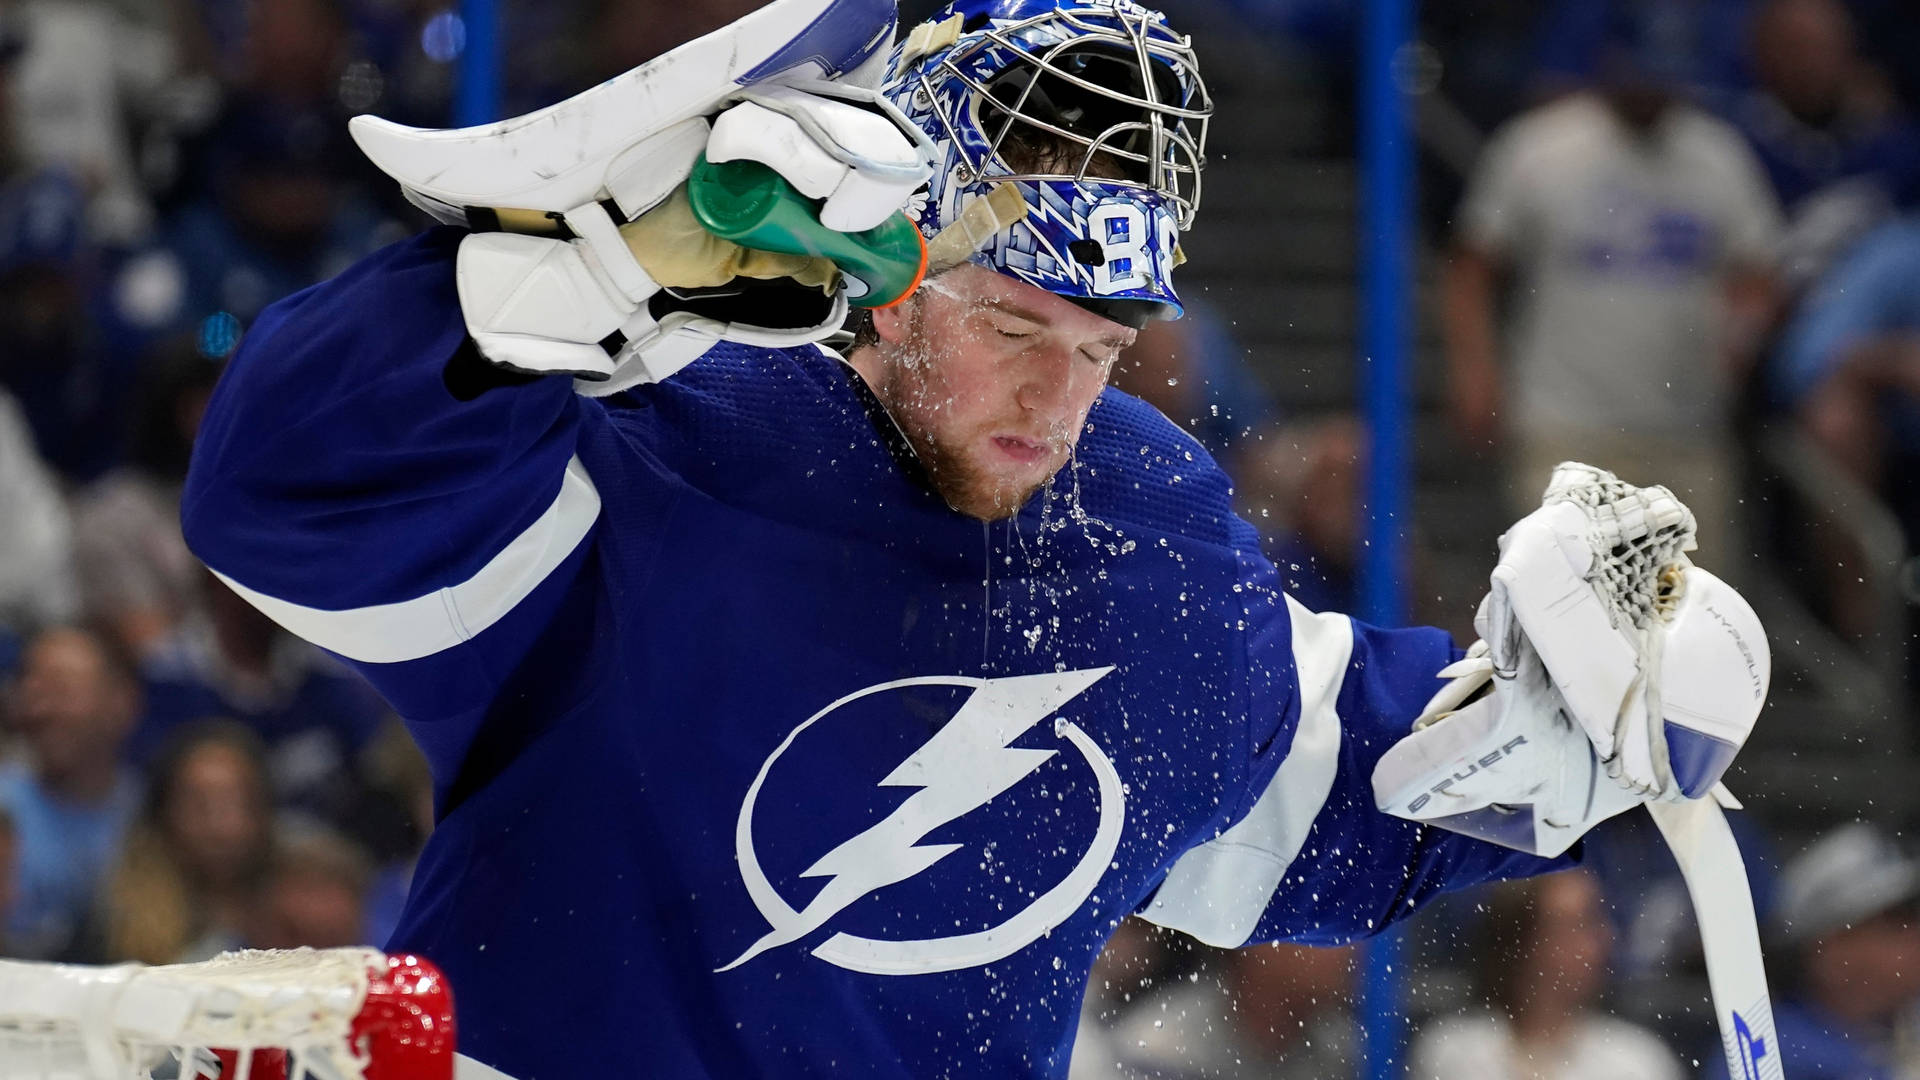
{"points": [[559, 276], [1611, 672]]}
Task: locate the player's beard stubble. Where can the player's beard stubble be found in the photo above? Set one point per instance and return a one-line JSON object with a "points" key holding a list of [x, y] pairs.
{"points": [[966, 486], [920, 398], [959, 477]]}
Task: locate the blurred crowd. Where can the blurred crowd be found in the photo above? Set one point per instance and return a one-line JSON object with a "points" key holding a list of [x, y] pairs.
{"points": [[178, 776], [1688, 239], [1532, 980]]}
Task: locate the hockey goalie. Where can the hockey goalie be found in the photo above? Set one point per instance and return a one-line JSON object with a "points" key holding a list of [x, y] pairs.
{"points": [[800, 706]]}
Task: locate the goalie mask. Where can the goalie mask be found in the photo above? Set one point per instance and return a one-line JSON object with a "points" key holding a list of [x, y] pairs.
{"points": [[1094, 111]]}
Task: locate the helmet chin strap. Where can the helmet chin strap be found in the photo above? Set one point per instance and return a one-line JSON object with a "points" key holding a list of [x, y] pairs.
{"points": [[985, 217]]}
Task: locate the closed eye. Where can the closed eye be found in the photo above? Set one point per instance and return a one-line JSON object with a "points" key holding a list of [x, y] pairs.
{"points": [[1011, 326]]}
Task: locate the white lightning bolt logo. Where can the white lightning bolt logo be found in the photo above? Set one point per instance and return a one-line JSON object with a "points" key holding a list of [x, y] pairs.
{"points": [[962, 768]]}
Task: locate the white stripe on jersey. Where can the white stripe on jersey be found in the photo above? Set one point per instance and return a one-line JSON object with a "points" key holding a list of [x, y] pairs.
{"points": [[466, 1068], [424, 625], [1218, 891]]}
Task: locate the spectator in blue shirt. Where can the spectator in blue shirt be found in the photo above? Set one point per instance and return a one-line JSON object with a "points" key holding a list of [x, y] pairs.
{"points": [[1840, 153], [312, 715], [71, 797], [1848, 365], [65, 351], [280, 212], [1847, 371]]}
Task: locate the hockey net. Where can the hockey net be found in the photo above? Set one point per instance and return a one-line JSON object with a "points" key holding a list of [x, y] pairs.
{"points": [[334, 1014]]}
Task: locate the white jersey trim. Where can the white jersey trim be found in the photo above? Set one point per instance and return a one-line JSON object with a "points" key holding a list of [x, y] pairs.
{"points": [[466, 1068], [1218, 891], [439, 620]]}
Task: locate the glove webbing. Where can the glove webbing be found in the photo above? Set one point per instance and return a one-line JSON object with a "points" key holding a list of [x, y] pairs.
{"points": [[1638, 538]]}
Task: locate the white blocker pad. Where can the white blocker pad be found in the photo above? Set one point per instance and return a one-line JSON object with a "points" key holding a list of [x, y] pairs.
{"points": [[568, 154]]}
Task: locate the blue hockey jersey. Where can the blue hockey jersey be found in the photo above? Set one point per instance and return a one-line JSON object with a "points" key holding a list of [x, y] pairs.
{"points": [[752, 757]]}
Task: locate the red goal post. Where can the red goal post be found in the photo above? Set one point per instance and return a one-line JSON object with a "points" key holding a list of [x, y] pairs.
{"points": [[333, 1014]]}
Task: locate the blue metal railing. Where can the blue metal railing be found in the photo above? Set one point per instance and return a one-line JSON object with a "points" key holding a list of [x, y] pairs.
{"points": [[477, 80], [1386, 255]]}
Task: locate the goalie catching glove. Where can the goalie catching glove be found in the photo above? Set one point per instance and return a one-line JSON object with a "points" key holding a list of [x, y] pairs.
{"points": [[1610, 672], [587, 259]]}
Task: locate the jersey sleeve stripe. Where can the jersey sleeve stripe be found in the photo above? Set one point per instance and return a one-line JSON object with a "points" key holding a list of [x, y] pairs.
{"points": [[1218, 891], [445, 617], [466, 1068]]}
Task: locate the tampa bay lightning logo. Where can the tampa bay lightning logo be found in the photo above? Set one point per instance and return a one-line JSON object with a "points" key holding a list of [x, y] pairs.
{"points": [[961, 768]]}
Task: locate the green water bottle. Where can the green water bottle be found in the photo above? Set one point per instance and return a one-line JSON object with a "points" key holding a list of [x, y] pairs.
{"points": [[753, 206]]}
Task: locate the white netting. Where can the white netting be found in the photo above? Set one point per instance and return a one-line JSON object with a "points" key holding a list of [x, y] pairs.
{"points": [[65, 1022], [1639, 537]]}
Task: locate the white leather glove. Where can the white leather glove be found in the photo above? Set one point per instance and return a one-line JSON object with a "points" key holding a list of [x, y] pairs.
{"points": [[1610, 672], [1497, 753], [580, 299], [1494, 756], [1598, 581]]}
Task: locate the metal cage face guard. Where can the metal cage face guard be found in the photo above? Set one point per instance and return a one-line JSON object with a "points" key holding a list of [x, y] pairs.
{"points": [[1118, 99], [1045, 49]]}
